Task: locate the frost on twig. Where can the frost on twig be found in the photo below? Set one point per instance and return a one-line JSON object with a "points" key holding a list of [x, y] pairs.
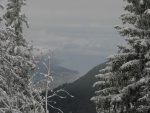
{"points": [[48, 93]]}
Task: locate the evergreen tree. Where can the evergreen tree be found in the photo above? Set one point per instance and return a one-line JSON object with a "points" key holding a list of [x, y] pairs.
{"points": [[124, 85], [16, 92]]}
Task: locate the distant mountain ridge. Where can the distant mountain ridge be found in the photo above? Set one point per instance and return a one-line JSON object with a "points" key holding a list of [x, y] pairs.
{"points": [[60, 74], [82, 90], [58, 70]]}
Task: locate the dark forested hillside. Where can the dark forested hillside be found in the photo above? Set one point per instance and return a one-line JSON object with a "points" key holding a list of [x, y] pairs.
{"points": [[82, 91]]}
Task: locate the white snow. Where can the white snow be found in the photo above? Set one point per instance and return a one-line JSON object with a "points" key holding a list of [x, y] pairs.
{"points": [[147, 11], [144, 43], [130, 64], [99, 83], [141, 2], [116, 98]]}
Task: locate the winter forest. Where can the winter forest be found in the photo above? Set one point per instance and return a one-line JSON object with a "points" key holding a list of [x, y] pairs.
{"points": [[33, 77]]}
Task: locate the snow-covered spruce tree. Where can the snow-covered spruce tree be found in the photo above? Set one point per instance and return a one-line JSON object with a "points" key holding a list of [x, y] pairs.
{"points": [[16, 92], [124, 85]]}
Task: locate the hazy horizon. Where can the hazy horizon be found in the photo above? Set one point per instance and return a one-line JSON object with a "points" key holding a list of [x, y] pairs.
{"points": [[80, 32]]}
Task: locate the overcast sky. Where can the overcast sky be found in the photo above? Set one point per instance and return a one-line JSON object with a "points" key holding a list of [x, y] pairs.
{"points": [[80, 32]]}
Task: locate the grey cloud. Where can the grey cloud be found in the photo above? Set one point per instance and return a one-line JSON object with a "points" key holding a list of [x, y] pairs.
{"points": [[72, 11], [79, 30], [88, 41]]}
